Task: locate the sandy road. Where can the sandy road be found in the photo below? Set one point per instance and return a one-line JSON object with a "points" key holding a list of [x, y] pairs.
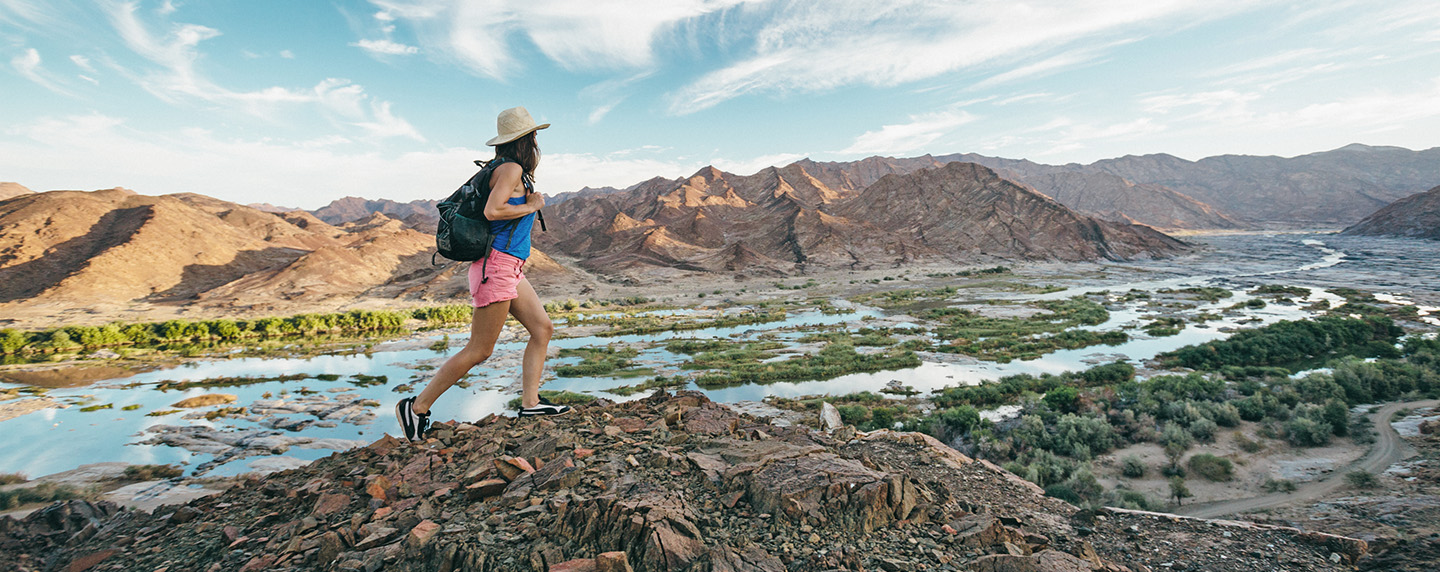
{"points": [[1388, 449]]}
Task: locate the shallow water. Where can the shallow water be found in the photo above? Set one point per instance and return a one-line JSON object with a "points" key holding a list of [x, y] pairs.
{"points": [[60, 439]]}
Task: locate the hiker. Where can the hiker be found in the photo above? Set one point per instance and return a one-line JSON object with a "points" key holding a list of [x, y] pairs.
{"points": [[497, 284]]}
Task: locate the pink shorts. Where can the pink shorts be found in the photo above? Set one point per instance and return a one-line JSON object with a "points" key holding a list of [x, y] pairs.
{"points": [[504, 273]]}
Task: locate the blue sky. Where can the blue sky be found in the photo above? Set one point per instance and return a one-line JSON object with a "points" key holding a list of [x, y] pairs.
{"points": [[301, 102]]}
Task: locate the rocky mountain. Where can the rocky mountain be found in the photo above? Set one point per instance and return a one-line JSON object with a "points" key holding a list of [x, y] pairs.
{"points": [[70, 254], [781, 218], [348, 209], [12, 190], [557, 198], [1321, 189], [269, 208], [665, 483], [1100, 195], [1415, 216]]}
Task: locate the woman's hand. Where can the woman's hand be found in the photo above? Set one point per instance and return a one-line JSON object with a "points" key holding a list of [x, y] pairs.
{"points": [[535, 200]]}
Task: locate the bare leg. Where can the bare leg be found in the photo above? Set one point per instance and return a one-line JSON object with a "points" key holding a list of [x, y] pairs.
{"points": [[531, 313], [485, 327]]}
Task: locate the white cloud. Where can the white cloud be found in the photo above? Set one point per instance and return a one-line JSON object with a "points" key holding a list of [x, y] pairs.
{"points": [[755, 165], [82, 62], [820, 46], [580, 35], [287, 54], [902, 138], [178, 80], [28, 65], [386, 47], [305, 174]]}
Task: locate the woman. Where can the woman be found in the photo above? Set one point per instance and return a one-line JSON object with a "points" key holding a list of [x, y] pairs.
{"points": [[498, 285]]}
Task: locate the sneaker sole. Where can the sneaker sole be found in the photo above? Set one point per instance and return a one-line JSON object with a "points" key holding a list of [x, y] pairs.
{"points": [[565, 412], [400, 417]]}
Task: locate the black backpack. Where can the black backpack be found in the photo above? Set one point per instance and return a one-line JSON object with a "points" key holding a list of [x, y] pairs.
{"points": [[463, 233]]}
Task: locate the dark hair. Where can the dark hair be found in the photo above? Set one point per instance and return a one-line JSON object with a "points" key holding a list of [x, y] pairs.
{"points": [[524, 151]]}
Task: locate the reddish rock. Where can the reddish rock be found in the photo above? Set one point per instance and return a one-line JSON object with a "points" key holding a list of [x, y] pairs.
{"points": [[258, 563], [583, 453], [89, 561], [421, 534], [629, 424], [329, 504], [577, 565], [485, 489], [612, 562], [377, 487]]}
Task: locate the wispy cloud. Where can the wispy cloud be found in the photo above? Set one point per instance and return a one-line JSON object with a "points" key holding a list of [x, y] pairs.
{"points": [[177, 79], [824, 45], [575, 34], [28, 65], [386, 47], [82, 62], [914, 135]]}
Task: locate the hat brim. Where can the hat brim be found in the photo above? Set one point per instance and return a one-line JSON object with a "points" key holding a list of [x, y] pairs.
{"points": [[508, 137]]}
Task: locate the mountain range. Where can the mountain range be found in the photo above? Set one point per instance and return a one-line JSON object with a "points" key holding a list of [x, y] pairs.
{"points": [[74, 254], [781, 219], [1329, 189]]}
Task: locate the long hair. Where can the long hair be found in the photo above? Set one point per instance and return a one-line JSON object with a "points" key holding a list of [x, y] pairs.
{"points": [[524, 151]]}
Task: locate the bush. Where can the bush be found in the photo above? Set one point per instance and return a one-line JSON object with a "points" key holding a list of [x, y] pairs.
{"points": [[1362, 480], [1212, 467], [1203, 430], [1273, 485], [1132, 467], [1248, 445], [1307, 432]]}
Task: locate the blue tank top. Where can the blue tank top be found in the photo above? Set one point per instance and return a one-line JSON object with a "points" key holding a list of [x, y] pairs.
{"points": [[513, 236]]}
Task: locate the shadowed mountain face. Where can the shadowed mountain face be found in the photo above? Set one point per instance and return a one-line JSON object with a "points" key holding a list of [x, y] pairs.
{"points": [[114, 248], [354, 208], [783, 217], [1415, 216]]}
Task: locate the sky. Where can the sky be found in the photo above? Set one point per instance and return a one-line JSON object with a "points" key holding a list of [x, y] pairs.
{"points": [[297, 103]]}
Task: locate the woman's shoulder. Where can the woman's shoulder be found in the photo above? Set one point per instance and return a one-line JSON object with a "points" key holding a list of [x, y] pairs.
{"points": [[509, 168]]}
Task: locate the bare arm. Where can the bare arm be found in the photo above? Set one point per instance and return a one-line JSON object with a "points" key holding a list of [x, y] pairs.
{"points": [[502, 184]]}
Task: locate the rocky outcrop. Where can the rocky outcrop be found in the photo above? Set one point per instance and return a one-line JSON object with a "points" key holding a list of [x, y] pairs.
{"points": [[1415, 216], [78, 257], [662, 483], [783, 218]]}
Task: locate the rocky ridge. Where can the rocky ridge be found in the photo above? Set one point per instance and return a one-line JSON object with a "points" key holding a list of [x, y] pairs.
{"points": [[1415, 216], [662, 483], [68, 255], [781, 219], [11, 190]]}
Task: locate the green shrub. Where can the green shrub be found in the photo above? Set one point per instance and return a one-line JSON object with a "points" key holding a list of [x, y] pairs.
{"points": [[1132, 467], [1362, 480], [1273, 485], [1248, 445], [1212, 467]]}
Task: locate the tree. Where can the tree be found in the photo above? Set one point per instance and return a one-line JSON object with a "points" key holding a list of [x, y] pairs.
{"points": [[1178, 490]]}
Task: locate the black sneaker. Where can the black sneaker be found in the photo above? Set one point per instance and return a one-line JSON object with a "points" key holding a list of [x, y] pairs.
{"points": [[544, 408], [412, 424]]}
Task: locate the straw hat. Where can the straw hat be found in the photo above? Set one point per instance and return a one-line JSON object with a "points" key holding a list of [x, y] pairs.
{"points": [[513, 124]]}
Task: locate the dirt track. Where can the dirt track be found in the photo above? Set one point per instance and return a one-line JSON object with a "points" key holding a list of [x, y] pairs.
{"points": [[1388, 449]]}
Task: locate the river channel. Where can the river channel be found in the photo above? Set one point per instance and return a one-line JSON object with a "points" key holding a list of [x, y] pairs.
{"points": [[307, 419]]}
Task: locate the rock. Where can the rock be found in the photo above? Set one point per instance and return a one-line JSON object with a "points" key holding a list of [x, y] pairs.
{"points": [[1043, 561], [612, 562], [481, 490], [330, 547], [577, 565], [421, 534], [90, 560], [205, 400], [379, 536], [329, 504], [830, 417]]}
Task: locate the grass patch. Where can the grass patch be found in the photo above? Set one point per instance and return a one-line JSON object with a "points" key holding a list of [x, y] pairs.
{"points": [[640, 325], [169, 385], [152, 472], [605, 361], [90, 408], [657, 382], [161, 413], [1207, 293], [558, 398], [41, 493], [833, 361], [1165, 326]]}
